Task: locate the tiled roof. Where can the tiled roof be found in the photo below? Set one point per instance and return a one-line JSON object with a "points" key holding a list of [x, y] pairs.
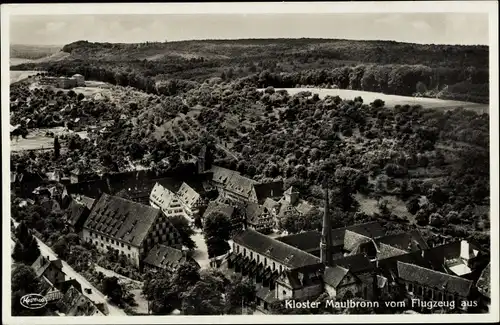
{"points": [[484, 282], [353, 240], [187, 195], [223, 208], [386, 251], [355, 263], [163, 256], [381, 281], [270, 204], [334, 275], [74, 303], [264, 293], [162, 196], [253, 211], [240, 185], [303, 207], [76, 212], [307, 241], [87, 201], [268, 190], [64, 286], [41, 264], [274, 249], [122, 219], [369, 229], [222, 175], [407, 241], [433, 279]]}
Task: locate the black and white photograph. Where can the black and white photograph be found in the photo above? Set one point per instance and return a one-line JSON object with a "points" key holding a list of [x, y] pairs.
{"points": [[231, 162]]}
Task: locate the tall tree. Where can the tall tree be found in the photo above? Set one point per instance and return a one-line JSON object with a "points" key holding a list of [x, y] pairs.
{"points": [[57, 147], [185, 231], [217, 231], [112, 289]]}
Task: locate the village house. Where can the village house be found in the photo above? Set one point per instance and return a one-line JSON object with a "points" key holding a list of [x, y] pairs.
{"points": [[183, 201], [130, 228], [66, 83], [162, 257], [78, 176], [74, 303], [78, 212], [80, 80], [232, 185], [258, 217], [49, 271], [288, 204]]}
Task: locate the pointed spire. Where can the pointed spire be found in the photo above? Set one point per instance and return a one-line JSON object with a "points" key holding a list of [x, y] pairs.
{"points": [[326, 244]]}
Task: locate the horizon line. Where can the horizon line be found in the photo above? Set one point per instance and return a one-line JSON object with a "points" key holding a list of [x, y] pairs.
{"points": [[257, 38]]}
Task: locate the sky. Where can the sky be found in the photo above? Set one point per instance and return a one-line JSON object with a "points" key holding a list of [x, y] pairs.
{"points": [[423, 28]]}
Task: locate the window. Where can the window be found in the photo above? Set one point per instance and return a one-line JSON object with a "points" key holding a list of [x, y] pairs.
{"points": [[265, 261], [281, 267], [122, 244], [102, 245], [274, 266], [128, 246], [410, 287], [244, 252], [258, 258], [284, 292], [237, 249], [251, 254]]}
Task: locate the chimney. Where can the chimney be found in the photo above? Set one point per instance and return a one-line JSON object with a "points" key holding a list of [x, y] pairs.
{"points": [[464, 250]]}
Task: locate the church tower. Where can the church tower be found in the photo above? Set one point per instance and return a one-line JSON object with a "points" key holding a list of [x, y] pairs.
{"points": [[326, 234]]}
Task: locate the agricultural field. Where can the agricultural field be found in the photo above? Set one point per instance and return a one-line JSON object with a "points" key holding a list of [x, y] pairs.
{"points": [[391, 100], [16, 76], [38, 139]]}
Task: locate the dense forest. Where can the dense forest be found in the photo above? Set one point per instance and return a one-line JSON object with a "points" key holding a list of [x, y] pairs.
{"points": [[442, 71]]}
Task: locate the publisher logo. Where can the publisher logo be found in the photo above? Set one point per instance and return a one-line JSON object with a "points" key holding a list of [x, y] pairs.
{"points": [[33, 301]]}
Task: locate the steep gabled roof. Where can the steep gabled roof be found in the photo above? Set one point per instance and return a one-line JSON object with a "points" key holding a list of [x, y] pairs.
{"points": [[270, 204], [353, 239], [76, 211], [74, 303], [287, 255], [41, 264], [122, 219], [187, 195], [163, 256], [307, 241], [407, 241], [433, 279], [268, 190], [369, 229], [355, 263], [240, 185], [386, 251], [222, 175], [334, 275], [253, 211]]}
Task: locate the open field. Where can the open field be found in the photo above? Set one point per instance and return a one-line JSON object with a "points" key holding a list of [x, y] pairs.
{"points": [[37, 140], [16, 76], [392, 100], [16, 61]]}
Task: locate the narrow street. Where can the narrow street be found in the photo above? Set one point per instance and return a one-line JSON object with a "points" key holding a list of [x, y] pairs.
{"points": [[96, 296]]}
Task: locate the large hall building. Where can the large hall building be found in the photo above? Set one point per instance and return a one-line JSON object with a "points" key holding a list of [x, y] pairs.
{"points": [[356, 261]]}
